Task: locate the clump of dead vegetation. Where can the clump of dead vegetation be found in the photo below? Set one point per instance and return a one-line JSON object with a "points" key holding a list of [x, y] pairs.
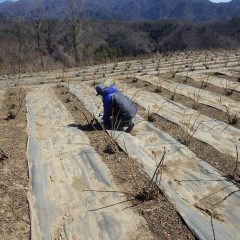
{"points": [[172, 73], [173, 94], [190, 125], [12, 102], [152, 190], [111, 147], [232, 118], [227, 88], [235, 173], [158, 89], [185, 79], [3, 156], [150, 116], [140, 193], [205, 79], [196, 96]]}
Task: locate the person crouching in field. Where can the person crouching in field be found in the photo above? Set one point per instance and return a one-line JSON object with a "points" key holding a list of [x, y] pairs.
{"points": [[119, 110]]}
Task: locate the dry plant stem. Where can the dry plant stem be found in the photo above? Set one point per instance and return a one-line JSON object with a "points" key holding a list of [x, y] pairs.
{"points": [[226, 88], [204, 83], [232, 120], [213, 230], [131, 169], [115, 124], [158, 88], [236, 166], [190, 128], [135, 95], [115, 121], [185, 80], [196, 98], [105, 191], [150, 116], [159, 166], [173, 72], [111, 205], [173, 96]]}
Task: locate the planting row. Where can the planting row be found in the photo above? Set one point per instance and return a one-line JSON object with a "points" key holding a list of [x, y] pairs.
{"points": [[199, 192], [63, 165]]}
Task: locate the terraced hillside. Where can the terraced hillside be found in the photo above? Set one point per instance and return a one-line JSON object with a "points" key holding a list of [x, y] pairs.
{"points": [[175, 176]]}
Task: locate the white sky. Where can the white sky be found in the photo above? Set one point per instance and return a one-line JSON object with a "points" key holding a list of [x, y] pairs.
{"points": [[220, 1]]}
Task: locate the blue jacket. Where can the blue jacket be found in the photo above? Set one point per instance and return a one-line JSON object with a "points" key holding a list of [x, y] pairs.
{"points": [[115, 101]]}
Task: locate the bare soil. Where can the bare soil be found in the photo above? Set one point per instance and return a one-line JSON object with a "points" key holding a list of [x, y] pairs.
{"points": [[14, 210], [161, 216], [222, 162], [186, 101]]}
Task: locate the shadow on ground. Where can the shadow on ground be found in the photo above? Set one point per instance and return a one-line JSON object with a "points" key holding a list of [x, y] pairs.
{"points": [[87, 127]]}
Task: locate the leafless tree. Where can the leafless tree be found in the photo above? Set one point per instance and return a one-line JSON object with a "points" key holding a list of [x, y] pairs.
{"points": [[20, 43], [38, 22], [12, 102], [17, 53], [75, 12]]}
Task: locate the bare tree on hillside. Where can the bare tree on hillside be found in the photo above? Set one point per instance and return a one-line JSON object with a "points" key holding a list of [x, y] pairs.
{"points": [[37, 22], [20, 43], [16, 50], [75, 14]]}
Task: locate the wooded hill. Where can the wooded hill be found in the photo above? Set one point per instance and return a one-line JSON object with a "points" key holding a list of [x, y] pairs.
{"points": [[196, 10], [46, 44]]}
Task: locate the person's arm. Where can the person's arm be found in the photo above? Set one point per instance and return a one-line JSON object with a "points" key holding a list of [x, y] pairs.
{"points": [[107, 110]]}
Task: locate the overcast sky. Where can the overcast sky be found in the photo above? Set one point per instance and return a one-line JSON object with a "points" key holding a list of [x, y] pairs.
{"points": [[210, 0]]}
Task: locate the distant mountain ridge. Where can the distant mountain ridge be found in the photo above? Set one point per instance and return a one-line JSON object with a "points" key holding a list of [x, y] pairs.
{"points": [[196, 10]]}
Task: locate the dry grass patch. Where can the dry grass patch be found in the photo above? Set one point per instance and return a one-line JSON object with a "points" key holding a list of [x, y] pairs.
{"points": [[14, 211]]}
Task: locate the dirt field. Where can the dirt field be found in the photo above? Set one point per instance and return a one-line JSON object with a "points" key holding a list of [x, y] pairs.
{"points": [[175, 176], [14, 217]]}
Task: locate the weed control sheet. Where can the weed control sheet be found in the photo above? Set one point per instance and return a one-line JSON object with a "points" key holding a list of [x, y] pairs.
{"points": [[211, 131], [199, 192], [202, 96], [63, 164], [219, 82]]}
